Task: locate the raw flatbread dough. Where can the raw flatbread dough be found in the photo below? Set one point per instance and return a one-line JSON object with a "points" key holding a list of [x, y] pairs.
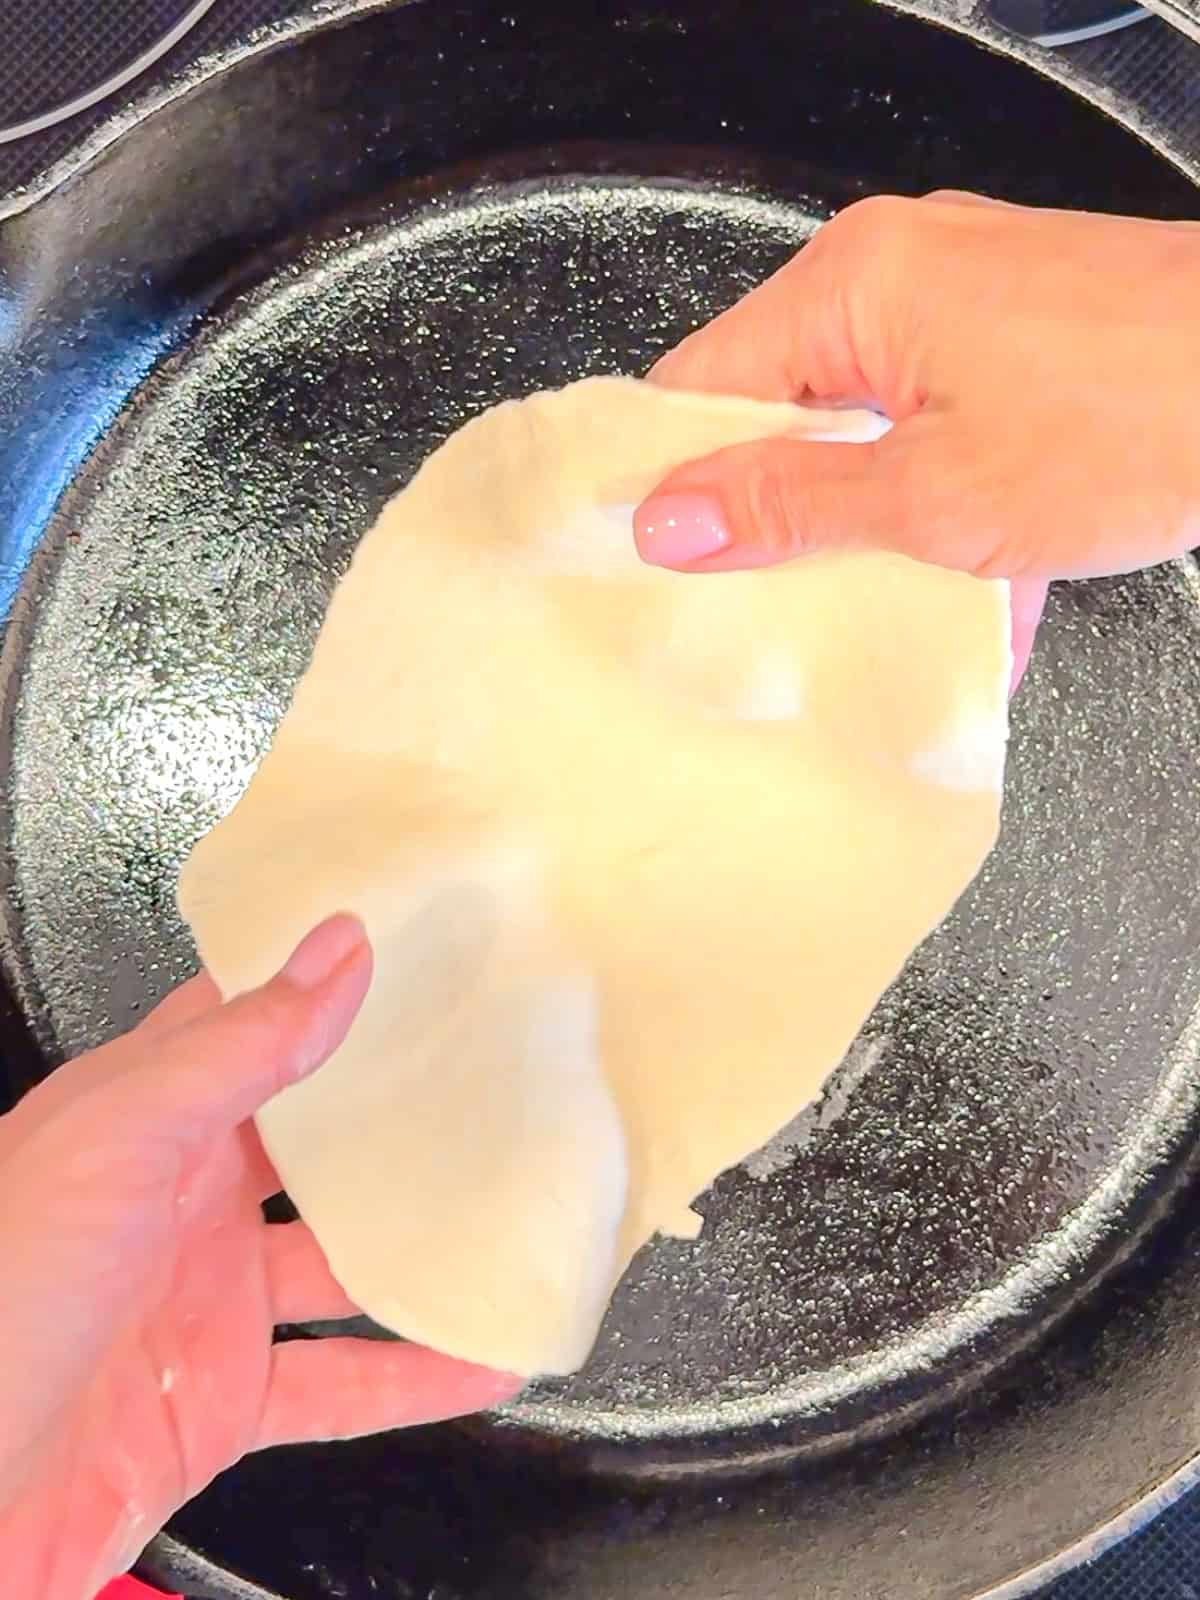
{"points": [[637, 852]]}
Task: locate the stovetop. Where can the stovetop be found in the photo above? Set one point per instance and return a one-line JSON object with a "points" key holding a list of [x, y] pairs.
{"points": [[54, 52]]}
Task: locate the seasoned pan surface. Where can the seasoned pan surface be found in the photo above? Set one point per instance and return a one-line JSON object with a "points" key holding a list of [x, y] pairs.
{"points": [[1023, 1104]]}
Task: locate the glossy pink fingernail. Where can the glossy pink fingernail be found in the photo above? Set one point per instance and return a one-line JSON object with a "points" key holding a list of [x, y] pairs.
{"points": [[673, 530], [317, 957]]}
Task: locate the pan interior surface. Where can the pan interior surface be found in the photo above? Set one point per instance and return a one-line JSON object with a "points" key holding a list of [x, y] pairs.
{"points": [[1028, 1090], [1032, 1064]]}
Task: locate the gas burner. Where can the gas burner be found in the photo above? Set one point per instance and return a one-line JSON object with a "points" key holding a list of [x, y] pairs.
{"points": [[1055, 23], [75, 54]]}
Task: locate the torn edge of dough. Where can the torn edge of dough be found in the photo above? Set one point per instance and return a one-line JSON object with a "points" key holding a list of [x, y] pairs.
{"points": [[684, 1224], [794, 1138]]}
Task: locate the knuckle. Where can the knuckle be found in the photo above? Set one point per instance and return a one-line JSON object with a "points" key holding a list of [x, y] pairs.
{"points": [[878, 218], [880, 246], [275, 1027], [776, 508], [949, 197]]}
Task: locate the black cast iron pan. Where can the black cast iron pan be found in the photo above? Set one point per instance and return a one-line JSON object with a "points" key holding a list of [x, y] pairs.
{"points": [[946, 1329]]}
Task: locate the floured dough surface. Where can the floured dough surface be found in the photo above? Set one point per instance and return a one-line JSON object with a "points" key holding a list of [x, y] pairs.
{"points": [[637, 853]]}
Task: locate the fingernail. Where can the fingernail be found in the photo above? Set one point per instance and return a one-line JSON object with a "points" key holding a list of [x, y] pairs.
{"points": [[672, 530], [318, 956]]}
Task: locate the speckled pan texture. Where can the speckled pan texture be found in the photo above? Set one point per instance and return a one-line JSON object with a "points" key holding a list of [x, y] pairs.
{"points": [[196, 427]]}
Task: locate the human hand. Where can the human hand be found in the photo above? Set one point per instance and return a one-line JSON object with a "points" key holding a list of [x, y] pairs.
{"points": [[142, 1285], [1038, 367]]}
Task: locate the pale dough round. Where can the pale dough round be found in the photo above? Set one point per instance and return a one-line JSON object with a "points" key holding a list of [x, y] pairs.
{"points": [[637, 853]]}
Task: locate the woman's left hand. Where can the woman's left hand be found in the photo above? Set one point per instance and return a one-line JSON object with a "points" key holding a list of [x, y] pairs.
{"points": [[142, 1286]]}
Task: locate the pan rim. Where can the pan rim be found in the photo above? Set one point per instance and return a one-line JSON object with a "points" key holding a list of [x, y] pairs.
{"points": [[1096, 1544], [178, 1562], [972, 22]]}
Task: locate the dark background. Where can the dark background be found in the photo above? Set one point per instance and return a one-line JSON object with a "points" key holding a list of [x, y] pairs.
{"points": [[53, 50]]}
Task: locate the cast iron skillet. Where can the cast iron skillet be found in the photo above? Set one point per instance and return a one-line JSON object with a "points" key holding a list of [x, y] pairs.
{"points": [[944, 1330]]}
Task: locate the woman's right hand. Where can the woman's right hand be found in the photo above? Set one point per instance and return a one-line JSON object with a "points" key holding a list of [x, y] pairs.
{"points": [[142, 1286], [1039, 367]]}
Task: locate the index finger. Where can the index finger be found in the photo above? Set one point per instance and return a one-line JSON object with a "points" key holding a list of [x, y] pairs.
{"points": [[795, 337], [733, 354]]}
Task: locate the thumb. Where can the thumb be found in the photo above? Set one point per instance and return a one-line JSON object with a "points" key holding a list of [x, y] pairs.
{"points": [[217, 1070], [758, 504]]}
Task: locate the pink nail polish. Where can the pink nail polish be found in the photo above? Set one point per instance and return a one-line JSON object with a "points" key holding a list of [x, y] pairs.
{"points": [[319, 956], [673, 530]]}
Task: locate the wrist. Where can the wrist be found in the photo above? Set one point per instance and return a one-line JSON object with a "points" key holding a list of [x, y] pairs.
{"points": [[64, 1535]]}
